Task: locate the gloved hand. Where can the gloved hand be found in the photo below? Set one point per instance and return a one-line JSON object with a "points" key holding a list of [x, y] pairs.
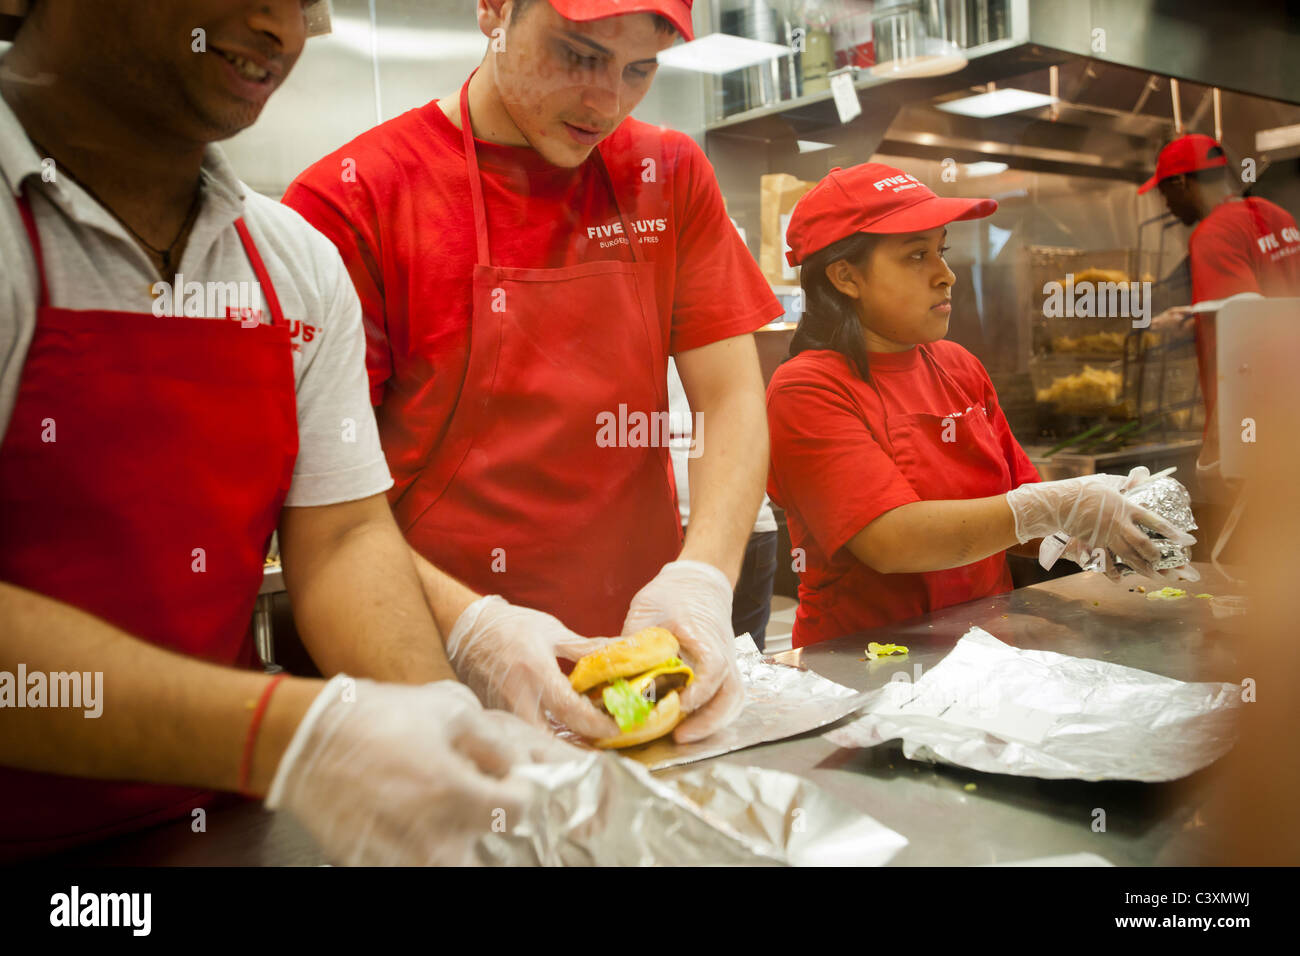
{"points": [[693, 600], [389, 774], [1051, 550], [1075, 550], [506, 655], [1081, 555], [1093, 510]]}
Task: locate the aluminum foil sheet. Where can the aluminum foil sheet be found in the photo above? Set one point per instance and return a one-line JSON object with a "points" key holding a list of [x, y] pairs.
{"points": [[781, 701], [608, 811], [1000, 709], [1169, 499]]}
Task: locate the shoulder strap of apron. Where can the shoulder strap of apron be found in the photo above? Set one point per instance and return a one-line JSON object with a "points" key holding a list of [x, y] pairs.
{"points": [[29, 223], [943, 373], [259, 270], [476, 184]]}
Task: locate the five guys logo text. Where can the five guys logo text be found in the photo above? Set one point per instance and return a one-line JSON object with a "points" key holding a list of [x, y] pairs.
{"points": [[897, 183], [238, 301], [1271, 247], [639, 226]]}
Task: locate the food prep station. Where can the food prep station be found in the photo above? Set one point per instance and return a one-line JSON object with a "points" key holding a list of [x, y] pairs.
{"points": [[1083, 396], [947, 821]]}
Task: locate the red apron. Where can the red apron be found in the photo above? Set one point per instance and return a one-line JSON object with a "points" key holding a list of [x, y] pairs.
{"points": [[529, 497], [170, 435], [953, 457]]}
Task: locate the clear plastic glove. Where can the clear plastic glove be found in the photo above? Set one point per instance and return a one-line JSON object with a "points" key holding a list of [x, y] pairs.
{"points": [[389, 774], [1080, 554], [1050, 551], [693, 600], [1093, 510], [506, 654]]}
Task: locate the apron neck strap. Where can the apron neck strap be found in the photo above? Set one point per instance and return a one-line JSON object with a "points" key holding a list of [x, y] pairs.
{"points": [[259, 270], [476, 184], [927, 356], [29, 223]]}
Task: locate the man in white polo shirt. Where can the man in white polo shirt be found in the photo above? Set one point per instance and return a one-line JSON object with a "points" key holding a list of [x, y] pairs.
{"points": [[182, 372]]}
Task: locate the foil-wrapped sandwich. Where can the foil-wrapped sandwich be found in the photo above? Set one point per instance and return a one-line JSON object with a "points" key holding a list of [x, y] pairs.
{"points": [[1167, 498]]}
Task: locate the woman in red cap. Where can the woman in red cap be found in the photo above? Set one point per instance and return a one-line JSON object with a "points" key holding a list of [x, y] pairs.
{"points": [[899, 475]]}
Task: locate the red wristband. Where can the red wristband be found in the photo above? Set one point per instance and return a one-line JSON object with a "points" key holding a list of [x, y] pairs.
{"points": [[246, 763]]}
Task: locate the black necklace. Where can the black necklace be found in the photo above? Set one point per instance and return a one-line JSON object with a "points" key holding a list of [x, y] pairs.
{"points": [[164, 254]]}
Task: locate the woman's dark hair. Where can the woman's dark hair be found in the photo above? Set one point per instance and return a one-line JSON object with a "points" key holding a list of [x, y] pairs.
{"points": [[830, 318]]}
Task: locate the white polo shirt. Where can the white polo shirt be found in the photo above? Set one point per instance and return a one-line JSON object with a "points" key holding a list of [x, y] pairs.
{"points": [[91, 262]]}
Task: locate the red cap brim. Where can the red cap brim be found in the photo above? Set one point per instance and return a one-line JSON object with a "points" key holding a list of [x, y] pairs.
{"points": [[676, 12], [1149, 185], [931, 214]]}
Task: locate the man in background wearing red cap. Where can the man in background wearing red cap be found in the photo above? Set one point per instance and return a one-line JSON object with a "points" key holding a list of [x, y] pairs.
{"points": [[527, 258], [1239, 244]]}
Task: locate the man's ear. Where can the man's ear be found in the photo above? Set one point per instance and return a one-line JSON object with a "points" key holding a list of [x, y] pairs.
{"points": [[842, 275]]}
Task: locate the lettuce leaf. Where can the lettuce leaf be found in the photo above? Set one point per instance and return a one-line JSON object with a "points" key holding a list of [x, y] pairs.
{"points": [[628, 708]]}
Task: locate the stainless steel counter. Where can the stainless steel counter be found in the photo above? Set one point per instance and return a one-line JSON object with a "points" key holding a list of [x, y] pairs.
{"points": [[1005, 819]]}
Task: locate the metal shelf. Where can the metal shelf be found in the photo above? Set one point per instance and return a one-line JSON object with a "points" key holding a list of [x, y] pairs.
{"points": [[865, 82]]}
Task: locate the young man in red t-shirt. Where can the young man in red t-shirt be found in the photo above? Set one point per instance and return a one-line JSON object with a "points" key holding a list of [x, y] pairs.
{"points": [[1238, 244], [523, 288]]}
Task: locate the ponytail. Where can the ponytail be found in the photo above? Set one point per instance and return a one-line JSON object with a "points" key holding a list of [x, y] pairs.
{"points": [[830, 318]]}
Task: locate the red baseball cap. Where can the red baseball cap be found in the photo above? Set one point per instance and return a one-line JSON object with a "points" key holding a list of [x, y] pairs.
{"points": [[677, 12], [1186, 154], [872, 198]]}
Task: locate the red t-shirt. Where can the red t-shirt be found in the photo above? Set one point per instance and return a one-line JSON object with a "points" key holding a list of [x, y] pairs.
{"points": [[1247, 245], [396, 202], [834, 472]]}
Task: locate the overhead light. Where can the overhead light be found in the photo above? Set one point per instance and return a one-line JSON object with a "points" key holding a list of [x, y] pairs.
{"points": [[812, 146], [1279, 137], [984, 168], [996, 103], [721, 53]]}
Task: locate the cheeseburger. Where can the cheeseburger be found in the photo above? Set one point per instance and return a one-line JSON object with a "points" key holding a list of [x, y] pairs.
{"points": [[636, 680]]}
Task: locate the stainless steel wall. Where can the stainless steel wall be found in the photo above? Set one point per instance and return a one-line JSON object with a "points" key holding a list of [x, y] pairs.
{"points": [[383, 58]]}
